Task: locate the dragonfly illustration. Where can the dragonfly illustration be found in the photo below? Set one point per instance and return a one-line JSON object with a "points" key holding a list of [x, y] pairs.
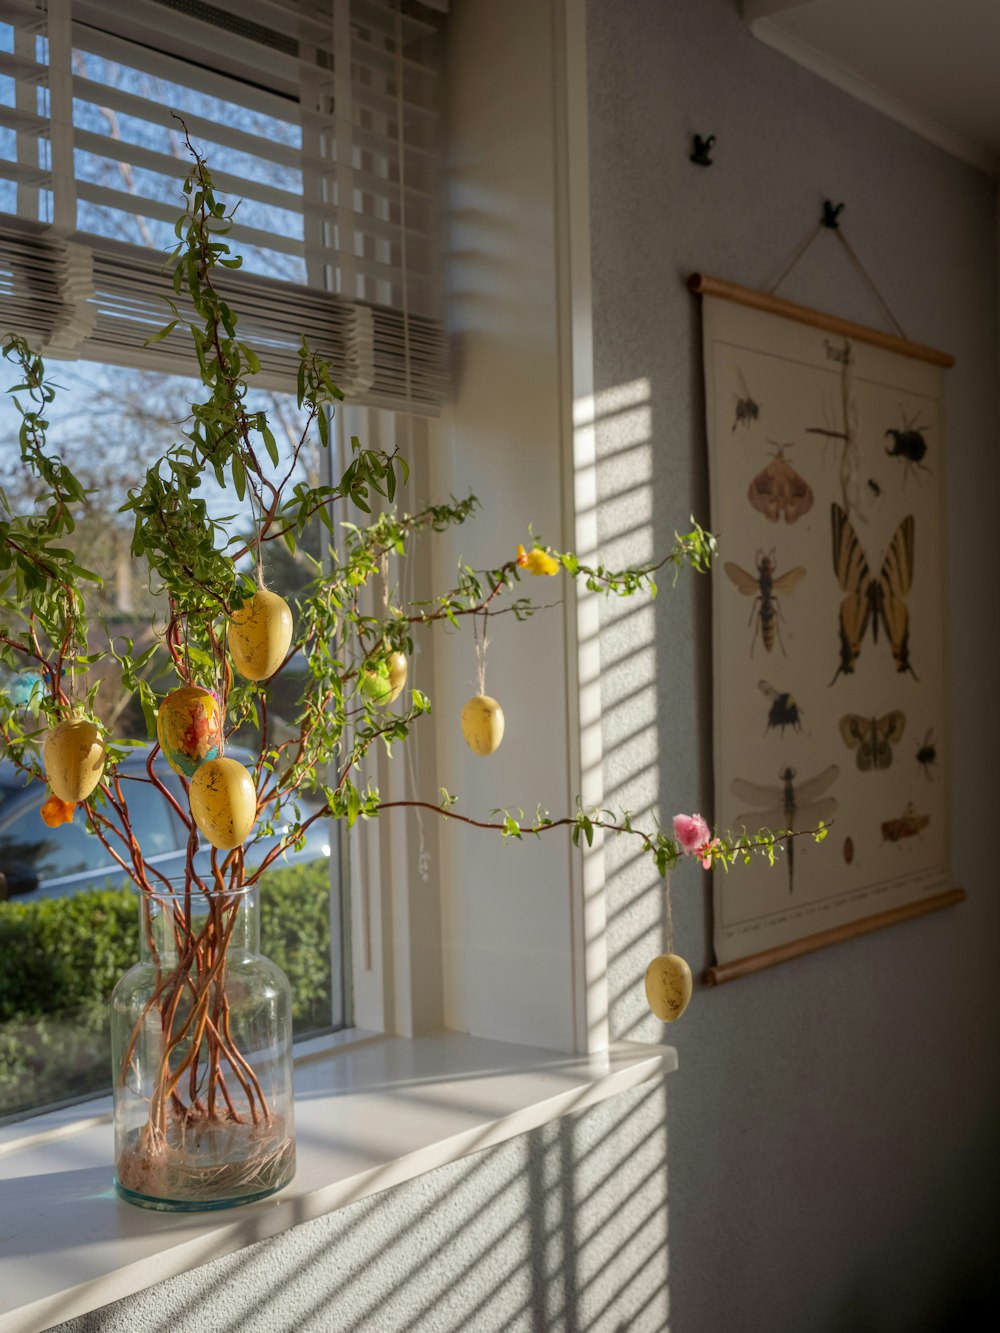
{"points": [[793, 804]]}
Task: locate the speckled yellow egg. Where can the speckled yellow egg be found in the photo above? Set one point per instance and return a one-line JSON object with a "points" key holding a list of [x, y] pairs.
{"points": [[482, 724], [259, 635], [73, 756], [223, 802], [189, 728], [668, 986]]}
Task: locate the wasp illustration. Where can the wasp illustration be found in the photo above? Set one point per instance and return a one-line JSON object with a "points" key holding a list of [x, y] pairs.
{"points": [[927, 755], [909, 445], [764, 587], [784, 711], [908, 825], [747, 410], [785, 806]]}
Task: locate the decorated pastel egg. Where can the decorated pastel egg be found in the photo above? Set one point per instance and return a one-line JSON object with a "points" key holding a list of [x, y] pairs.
{"points": [[259, 635], [24, 685], [482, 724], [668, 986], [73, 757], [189, 728], [223, 802], [385, 686]]}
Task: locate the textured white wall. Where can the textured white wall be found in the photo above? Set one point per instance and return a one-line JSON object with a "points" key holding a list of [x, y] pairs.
{"points": [[832, 1138], [832, 1126]]}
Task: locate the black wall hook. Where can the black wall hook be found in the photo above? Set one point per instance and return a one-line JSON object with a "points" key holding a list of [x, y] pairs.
{"points": [[831, 212], [702, 148]]}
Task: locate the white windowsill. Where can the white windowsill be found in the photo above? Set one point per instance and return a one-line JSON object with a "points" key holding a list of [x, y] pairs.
{"points": [[371, 1112]]}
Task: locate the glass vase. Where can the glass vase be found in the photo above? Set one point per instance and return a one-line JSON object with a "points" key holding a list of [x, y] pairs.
{"points": [[201, 1033]]}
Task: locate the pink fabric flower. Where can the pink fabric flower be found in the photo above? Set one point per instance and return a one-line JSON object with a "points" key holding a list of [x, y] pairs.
{"points": [[692, 833], [704, 853]]}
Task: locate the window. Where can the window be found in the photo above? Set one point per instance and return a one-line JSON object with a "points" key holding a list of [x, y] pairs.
{"points": [[321, 115]]}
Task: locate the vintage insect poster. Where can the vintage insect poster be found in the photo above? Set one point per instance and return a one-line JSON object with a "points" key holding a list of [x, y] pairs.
{"points": [[827, 460]]}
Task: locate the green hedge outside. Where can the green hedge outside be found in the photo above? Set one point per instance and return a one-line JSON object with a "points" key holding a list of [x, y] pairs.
{"points": [[61, 957]]}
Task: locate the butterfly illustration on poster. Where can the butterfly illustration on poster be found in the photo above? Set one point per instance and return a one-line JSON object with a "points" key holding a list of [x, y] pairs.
{"points": [[829, 589]]}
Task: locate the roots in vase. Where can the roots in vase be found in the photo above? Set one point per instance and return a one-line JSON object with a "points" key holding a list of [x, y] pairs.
{"points": [[200, 1159]]}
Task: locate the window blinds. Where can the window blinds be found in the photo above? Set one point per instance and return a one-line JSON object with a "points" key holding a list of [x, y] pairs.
{"points": [[319, 115]]}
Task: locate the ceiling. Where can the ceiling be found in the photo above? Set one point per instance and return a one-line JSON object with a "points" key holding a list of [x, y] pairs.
{"points": [[932, 64]]}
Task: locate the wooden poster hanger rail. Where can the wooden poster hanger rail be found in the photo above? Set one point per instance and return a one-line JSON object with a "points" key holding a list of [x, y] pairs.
{"points": [[703, 285], [757, 962]]}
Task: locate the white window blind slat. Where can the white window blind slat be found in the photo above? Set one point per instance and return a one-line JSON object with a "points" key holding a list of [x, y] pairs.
{"points": [[313, 118]]}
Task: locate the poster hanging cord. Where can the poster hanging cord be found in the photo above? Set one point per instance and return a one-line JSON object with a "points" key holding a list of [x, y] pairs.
{"points": [[829, 222]]}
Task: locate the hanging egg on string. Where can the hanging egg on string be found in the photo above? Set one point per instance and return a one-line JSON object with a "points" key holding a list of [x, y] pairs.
{"points": [[482, 724], [223, 802], [259, 635], [189, 728], [73, 758], [668, 986]]}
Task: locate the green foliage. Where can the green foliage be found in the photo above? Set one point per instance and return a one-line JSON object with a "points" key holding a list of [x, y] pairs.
{"points": [[63, 956]]}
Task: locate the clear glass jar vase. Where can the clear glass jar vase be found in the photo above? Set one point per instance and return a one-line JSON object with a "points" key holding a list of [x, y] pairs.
{"points": [[201, 1034]]}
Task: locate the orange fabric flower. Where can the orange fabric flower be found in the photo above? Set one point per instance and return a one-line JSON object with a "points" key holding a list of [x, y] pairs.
{"points": [[537, 561], [55, 812]]}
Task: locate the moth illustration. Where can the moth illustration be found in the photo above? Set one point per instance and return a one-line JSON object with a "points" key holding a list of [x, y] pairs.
{"points": [[907, 825], [784, 711], [778, 490], [747, 410], [872, 601], [764, 587], [927, 755], [873, 737], [784, 807]]}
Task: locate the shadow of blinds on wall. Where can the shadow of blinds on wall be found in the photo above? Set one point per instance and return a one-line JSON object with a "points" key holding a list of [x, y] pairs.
{"points": [[321, 116]]}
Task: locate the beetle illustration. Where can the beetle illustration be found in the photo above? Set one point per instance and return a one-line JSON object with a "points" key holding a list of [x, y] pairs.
{"points": [[909, 445], [927, 755]]}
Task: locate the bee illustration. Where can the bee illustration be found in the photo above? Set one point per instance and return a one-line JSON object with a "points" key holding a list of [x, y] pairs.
{"points": [[764, 587], [873, 738], [783, 807], [779, 490], [927, 755], [909, 445], [747, 410], [784, 711], [907, 825]]}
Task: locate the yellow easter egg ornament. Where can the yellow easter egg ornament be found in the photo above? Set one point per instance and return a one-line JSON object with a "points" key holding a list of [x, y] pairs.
{"points": [[259, 635], [73, 756], [668, 986], [482, 724], [385, 686], [223, 802]]}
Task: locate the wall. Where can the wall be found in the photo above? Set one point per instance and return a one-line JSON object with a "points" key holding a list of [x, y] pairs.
{"points": [[832, 1124], [832, 1142]]}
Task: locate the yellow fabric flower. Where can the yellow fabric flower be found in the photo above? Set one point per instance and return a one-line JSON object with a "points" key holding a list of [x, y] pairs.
{"points": [[537, 561]]}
